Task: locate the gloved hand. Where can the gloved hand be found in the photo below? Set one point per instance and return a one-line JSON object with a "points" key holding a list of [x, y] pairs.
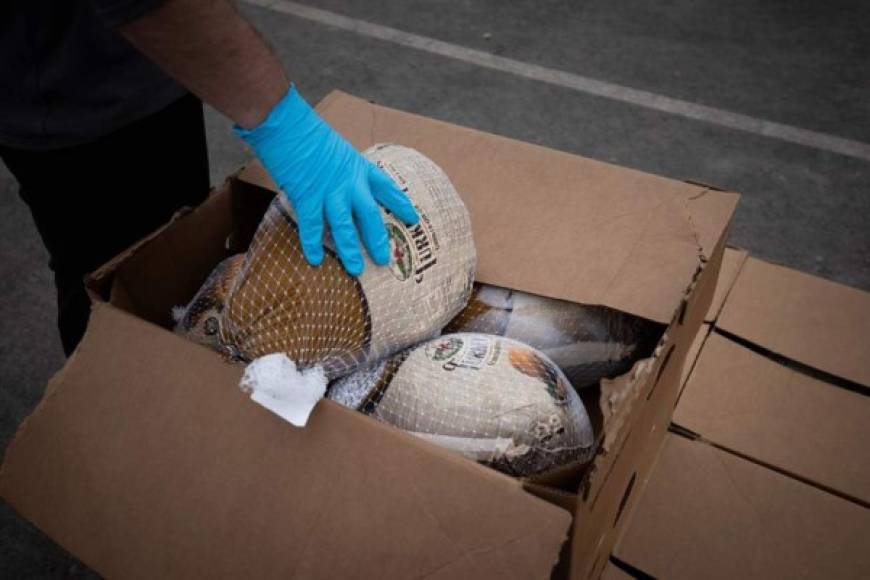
{"points": [[325, 178]]}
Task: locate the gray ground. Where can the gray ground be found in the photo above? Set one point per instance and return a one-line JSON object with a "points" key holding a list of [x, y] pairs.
{"points": [[802, 63]]}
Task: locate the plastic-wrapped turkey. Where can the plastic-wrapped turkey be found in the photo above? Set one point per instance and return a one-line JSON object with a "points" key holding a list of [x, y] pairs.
{"points": [[271, 300], [492, 399], [587, 342]]}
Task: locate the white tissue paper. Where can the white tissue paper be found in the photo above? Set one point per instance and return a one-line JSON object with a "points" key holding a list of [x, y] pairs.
{"points": [[275, 383]]}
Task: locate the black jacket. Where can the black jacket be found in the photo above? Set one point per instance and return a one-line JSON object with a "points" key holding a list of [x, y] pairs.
{"points": [[67, 77]]}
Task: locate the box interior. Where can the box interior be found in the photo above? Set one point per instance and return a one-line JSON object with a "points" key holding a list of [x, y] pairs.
{"points": [[166, 271]]}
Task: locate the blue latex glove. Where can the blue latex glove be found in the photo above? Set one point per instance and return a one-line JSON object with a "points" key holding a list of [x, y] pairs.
{"points": [[324, 177]]}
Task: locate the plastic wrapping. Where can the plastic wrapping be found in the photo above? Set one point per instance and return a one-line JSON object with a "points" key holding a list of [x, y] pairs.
{"points": [[271, 300], [587, 342], [493, 399]]}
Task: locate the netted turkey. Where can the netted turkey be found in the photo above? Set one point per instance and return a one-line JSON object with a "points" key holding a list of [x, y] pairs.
{"points": [[490, 398], [271, 300]]}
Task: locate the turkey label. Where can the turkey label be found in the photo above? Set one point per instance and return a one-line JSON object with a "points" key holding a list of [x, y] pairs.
{"points": [[432, 262], [402, 263], [478, 351]]}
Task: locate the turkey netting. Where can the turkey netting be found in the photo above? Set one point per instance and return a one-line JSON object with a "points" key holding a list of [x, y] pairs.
{"points": [[492, 399], [271, 300]]}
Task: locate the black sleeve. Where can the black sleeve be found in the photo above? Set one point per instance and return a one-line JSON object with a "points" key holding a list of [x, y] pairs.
{"points": [[117, 12]]}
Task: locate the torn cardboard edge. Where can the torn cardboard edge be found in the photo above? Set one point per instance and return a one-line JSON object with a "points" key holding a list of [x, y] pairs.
{"points": [[732, 262], [627, 471], [630, 471], [623, 393], [619, 397]]}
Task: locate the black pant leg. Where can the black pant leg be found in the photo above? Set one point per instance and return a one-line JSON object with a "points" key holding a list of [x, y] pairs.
{"points": [[92, 201]]}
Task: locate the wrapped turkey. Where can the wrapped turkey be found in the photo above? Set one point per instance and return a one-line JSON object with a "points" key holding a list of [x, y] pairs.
{"points": [[271, 300], [587, 342], [490, 398]]}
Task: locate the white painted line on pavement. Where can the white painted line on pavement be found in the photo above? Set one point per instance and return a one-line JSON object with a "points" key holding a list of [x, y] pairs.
{"points": [[579, 83]]}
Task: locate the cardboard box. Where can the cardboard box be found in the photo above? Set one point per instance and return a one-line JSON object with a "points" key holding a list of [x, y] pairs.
{"points": [[708, 513], [784, 378], [145, 460], [769, 476]]}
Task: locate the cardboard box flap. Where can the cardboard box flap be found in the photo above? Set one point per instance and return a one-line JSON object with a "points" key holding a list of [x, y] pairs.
{"points": [[147, 461], [709, 514], [804, 318], [744, 401], [635, 244]]}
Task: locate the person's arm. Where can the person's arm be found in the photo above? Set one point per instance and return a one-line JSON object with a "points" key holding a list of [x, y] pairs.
{"points": [[208, 47]]}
